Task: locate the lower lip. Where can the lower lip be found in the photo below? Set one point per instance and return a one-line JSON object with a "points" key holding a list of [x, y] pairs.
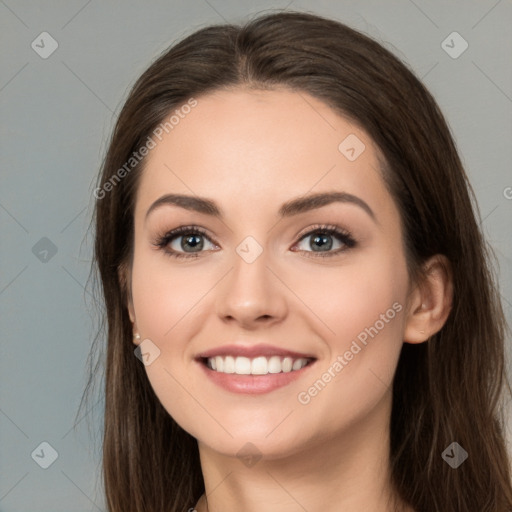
{"points": [[253, 384]]}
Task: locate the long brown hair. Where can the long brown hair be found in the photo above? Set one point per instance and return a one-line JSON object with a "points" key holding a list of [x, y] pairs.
{"points": [[450, 388]]}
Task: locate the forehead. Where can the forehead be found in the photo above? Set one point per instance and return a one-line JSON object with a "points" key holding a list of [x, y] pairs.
{"points": [[251, 148]]}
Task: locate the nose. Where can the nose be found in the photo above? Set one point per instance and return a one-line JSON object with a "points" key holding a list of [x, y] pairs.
{"points": [[252, 295]]}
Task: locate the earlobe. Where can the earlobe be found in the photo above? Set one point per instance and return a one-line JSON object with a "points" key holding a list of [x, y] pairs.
{"points": [[431, 301]]}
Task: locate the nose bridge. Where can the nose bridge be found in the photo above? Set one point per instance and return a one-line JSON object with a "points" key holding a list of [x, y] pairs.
{"points": [[251, 291]]}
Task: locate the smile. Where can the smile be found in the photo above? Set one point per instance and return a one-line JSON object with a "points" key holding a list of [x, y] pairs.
{"points": [[253, 369], [256, 366]]}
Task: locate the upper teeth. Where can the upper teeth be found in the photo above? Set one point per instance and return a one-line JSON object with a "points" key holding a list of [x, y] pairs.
{"points": [[256, 366]]}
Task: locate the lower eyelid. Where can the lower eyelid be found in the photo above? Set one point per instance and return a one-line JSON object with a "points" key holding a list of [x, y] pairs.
{"points": [[344, 238]]}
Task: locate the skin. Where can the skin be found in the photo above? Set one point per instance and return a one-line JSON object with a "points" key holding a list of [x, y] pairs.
{"points": [[251, 151]]}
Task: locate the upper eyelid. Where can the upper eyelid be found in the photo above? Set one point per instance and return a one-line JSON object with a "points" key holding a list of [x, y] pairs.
{"points": [[181, 230], [323, 227], [337, 231]]}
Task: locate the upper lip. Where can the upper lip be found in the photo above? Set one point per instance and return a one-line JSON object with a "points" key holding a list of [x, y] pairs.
{"points": [[252, 351]]}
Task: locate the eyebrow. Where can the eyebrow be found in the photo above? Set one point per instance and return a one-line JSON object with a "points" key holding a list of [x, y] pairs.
{"points": [[293, 207]]}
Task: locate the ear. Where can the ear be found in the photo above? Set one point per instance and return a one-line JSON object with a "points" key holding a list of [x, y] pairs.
{"points": [[430, 301]]}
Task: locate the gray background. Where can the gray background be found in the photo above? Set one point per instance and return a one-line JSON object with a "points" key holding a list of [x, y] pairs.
{"points": [[57, 114]]}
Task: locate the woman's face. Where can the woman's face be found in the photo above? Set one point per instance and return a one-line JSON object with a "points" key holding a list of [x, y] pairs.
{"points": [[263, 283]]}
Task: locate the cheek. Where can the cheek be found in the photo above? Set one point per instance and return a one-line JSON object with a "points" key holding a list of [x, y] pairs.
{"points": [[363, 306], [165, 296], [369, 325], [352, 298], [169, 312], [363, 309], [364, 302]]}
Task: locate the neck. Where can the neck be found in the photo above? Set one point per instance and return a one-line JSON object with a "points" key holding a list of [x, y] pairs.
{"points": [[349, 472]]}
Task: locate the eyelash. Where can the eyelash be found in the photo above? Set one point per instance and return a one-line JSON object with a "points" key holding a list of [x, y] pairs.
{"points": [[325, 229]]}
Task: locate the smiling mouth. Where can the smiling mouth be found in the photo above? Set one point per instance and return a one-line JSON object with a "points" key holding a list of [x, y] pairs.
{"points": [[260, 365]]}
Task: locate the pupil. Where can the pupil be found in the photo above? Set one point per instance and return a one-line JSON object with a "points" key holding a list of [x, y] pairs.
{"points": [[323, 240], [193, 241]]}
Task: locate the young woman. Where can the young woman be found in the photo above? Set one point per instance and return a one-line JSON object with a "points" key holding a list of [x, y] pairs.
{"points": [[301, 310]]}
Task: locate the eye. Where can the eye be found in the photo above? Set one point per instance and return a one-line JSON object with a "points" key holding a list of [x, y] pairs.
{"points": [[322, 239], [183, 242], [189, 242]]}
